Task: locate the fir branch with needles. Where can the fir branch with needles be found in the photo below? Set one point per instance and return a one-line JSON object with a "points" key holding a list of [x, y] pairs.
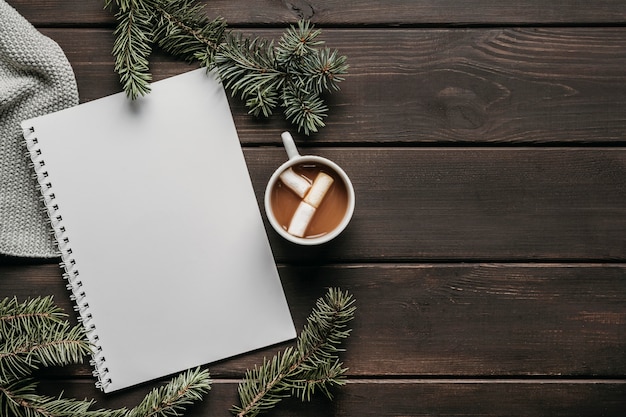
{"points": [[35, 334], [294, 74], [173, 398], [19, 398], [133, 46], [312, 365], [32, 314], [22, 352]]}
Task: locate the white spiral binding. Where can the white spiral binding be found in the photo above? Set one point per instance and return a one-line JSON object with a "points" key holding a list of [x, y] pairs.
{"points": [[68, 263]]}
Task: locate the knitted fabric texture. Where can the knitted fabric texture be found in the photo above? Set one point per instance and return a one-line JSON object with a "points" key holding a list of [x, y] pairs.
{"points": [[35, 79]]}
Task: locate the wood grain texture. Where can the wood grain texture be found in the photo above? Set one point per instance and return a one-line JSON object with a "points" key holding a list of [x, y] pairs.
{"points": [[351, 13], [487, 253], [403, 398], [500, 204], [518, 85], [442, 320], [469, 204]]}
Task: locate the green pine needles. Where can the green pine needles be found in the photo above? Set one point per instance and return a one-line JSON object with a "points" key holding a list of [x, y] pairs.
{"points": [[293, 74], [312, 365], [36, 334]]}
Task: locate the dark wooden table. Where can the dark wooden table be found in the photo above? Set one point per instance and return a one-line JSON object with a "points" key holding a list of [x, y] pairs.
{"points": [[486, 142]]}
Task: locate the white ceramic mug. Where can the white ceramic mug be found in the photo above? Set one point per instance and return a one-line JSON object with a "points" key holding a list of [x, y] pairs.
{"points": [[294, 159]]}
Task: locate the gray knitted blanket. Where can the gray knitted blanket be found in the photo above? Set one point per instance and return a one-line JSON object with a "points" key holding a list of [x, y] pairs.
{"points": [[35, 78]]}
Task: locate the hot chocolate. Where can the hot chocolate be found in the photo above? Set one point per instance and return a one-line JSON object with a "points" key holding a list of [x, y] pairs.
{"points": [[325, 214]]}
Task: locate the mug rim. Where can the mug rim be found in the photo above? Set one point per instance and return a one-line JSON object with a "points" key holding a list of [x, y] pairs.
{"points": [[315, 240]]}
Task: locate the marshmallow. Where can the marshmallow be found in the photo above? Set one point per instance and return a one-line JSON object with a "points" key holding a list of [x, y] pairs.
{"points": [[318, 190], [295, 182], [301, 219]]}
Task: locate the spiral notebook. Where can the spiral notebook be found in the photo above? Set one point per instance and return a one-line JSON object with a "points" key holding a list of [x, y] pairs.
{"points": [[159, 230]]}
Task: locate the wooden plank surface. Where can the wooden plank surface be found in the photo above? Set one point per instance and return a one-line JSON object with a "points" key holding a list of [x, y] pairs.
{"points": [[469, 204], [518, 204], [407, 398], [517, 85], [487, 253], [463, 320], [443, 320], [351, 13]]}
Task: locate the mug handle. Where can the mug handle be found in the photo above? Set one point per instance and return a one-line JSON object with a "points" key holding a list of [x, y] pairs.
{"points": [[290, 145]]}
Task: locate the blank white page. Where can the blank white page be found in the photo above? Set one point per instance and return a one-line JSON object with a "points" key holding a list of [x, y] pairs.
{"points": [[164, 228]]}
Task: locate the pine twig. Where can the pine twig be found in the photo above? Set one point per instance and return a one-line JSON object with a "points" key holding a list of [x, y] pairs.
{"points": [[133, 46], [313, 364], [293, 74], [34, 313], [20, 399], [184, 31], [173, 398], [34, 334], [57, 345]]}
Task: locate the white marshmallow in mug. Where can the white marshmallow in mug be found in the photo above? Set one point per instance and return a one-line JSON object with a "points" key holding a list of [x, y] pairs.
{"points": [[295, 182], [306, 209], [301, 219], [318, 190]]}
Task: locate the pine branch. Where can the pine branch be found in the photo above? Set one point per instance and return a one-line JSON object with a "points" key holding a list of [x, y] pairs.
{"points": [[248, 68], [173, 398], [184, 31], [34, 335], [295, 71], [133, 46], [55, 345], [325, 376], [304, 109], [33, 314], [312, 365], [293, 74], [296, 44], [323, 71], [20, 399]]}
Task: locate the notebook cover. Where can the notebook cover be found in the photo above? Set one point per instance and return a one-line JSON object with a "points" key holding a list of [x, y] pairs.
{"points": [[166, 251]]}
